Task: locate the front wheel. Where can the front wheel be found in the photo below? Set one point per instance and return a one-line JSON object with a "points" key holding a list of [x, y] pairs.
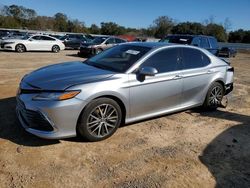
{"points": [[20, 48], [214, 96], [55, 49], [100, 119]]}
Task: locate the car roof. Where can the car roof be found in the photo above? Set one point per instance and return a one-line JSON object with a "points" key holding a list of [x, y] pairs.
{"points": [[188, 35], [155, 45]]}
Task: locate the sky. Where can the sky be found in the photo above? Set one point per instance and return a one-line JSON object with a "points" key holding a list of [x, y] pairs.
{"points": [[141, 13]]}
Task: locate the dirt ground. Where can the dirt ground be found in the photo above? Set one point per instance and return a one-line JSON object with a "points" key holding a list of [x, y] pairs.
{"points": [[192, 148]]}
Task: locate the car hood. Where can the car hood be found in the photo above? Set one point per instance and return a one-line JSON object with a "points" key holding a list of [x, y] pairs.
{"points": [[86, 44], [63, 75]]}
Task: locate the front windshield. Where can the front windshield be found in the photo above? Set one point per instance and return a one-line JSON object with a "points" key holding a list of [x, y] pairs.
{"points": [[119, 58], [99, 40], [25, 37]]}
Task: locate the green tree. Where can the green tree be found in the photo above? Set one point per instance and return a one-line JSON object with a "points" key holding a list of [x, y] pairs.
{"points": [[217, 31], [111, 28], [161, 26], [61, 22], [189, 28], [94, 29]]}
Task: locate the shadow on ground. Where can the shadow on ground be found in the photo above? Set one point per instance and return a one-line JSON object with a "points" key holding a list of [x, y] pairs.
{"points": [[11, 130], [228, 156]]}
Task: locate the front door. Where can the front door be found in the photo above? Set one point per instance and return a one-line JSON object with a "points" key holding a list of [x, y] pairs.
{"points": [[160, 93]]}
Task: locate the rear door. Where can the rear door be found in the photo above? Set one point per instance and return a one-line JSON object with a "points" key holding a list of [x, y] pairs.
{"points": [[196, 76], [46, 43], [159, 93]]}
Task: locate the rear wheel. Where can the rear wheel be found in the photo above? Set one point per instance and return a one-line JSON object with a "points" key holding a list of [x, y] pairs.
{"points": [[55, 49], [214, 96], [100, 119], [20, 48]]}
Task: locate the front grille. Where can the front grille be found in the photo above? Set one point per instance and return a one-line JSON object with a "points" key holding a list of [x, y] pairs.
{"points": [[33, 119]]}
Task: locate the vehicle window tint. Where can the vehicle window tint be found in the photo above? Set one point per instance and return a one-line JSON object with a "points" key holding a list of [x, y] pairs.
{"points": [[164, 61], [47, 38], [110, 41], [196, 41], [213, 43], [36, 38], [194, 58], [204, 43], [119, 41]]}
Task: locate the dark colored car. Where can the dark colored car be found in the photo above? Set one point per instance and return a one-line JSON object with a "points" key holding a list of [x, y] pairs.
{"points": [[12, 35], [227, 52], [98, 45], [207, 42], [74, 40]]}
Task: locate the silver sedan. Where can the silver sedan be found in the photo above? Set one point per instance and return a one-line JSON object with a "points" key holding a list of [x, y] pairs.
{"points": [[124, 84]]}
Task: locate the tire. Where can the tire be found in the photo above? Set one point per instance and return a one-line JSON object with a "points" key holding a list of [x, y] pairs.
{"points": [[55, 49], [99, 120], [214, 96], [98, 51], [20, 48]]}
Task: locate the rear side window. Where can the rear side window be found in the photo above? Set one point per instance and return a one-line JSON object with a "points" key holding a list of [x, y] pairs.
{"points": [[119, 41], [164, 61], [204, 43], [196, 41], [213, 43], [46, 38], [194, 58]]}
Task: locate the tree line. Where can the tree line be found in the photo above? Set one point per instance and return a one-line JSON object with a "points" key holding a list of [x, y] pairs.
{"points": [[20, 17]]}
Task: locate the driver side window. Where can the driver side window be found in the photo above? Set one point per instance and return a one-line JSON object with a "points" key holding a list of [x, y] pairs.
{"points": [[110, 41], [164, 61], [36, 38]]}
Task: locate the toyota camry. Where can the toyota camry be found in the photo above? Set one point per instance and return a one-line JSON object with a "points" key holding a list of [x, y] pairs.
{"points": [[124, 84]]}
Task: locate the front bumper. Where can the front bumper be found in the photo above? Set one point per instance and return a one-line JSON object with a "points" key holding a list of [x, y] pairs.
{"points": [[49, 119], [86, 51], [4, 46]]}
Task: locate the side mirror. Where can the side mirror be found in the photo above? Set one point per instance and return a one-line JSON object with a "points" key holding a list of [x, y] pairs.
{"points": [[30, 39], [148, 71]]}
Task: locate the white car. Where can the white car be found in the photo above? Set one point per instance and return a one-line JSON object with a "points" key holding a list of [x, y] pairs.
{"points": [[33, 43]]}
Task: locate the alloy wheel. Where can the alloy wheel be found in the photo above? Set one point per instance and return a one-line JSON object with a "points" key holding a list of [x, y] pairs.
{"points": [[102, 120], [216, 96], [20, 48]]}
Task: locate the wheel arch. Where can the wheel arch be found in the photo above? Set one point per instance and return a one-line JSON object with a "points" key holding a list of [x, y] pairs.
{"points": [[21, 44], [116, 99]]}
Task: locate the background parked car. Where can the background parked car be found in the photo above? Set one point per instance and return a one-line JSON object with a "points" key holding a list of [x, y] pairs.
{"points": [[74, 40], [33, 43], [227, 52], [98, 45], [208, 42]]}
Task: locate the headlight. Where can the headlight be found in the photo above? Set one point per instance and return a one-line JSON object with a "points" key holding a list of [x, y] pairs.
{"points": [[56, 96]]}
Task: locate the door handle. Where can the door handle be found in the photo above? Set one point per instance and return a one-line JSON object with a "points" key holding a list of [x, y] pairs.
{"points": [[210, 71], [176, 77]]}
